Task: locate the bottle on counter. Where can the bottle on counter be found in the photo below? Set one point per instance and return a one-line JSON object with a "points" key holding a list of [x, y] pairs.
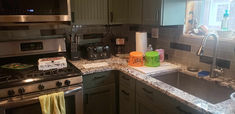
{"points": [[150, 48], [225, 21]]}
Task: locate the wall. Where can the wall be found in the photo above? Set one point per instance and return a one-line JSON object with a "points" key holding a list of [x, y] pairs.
{"points": [[167, 36]]}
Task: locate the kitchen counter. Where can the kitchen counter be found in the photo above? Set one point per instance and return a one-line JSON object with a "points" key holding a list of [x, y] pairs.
{"points": [[117, 63]]}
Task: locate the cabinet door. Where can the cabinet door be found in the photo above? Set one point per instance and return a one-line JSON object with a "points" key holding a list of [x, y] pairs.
{"points": [[118, 11], [89, 12], [143, 107], [173, 12], [135, 12], [151, 12], [127, 81], [100, 100], [126, 100]]}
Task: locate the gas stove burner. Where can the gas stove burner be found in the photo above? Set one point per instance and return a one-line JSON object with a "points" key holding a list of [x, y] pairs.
{"points": [[18, 76]]}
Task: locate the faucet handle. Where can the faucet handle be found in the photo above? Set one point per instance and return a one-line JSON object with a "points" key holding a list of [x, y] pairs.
{"points": [[219, 71]]}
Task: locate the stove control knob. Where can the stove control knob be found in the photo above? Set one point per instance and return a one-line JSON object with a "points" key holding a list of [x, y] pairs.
{"points": [[94, 50], [41, 87], [11, 93], [67, 82], [59, 84], [21, 91]]}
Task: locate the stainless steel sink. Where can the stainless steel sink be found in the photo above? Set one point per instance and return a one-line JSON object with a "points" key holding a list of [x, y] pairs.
{"points": [[207, 90]]}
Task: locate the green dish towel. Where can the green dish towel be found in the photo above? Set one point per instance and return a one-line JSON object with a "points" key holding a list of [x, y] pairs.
{"points": [[53, 103]]}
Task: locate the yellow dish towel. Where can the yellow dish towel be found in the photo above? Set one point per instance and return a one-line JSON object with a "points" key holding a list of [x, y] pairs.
{"points": [[53, 103]]}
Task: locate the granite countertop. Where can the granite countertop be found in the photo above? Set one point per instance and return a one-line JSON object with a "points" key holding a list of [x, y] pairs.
{"points": [[119, 63]]}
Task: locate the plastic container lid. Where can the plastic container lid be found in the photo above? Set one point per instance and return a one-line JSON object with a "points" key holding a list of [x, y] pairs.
{"points": [[152, 59], [152, 54], [136, 59], [136, 54], [203, 73]]}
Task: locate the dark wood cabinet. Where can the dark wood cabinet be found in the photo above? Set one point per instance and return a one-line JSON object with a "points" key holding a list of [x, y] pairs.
{"points": [[100, 100], [114, 92], [152, 101], [147, 107], [146, 12], [100, 93], [126, 94]]}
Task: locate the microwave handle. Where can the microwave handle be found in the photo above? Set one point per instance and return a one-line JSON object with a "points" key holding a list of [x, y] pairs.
{"points": [[16, 103]]}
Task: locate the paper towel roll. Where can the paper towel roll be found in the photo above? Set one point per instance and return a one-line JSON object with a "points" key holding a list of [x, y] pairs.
{"points": [[141, 42]]}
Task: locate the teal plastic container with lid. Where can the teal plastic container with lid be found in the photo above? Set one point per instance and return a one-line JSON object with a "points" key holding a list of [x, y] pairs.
{"points": [[152, 59]]}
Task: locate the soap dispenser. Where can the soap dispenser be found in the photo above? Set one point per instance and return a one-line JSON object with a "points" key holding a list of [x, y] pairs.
{"points": [[225, 21]]}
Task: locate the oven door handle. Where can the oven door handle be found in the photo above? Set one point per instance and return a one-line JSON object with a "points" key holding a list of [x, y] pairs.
{"points": [[73, 90], [19, 102]]}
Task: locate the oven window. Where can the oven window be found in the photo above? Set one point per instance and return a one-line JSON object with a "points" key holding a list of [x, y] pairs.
{"points": [[27, 109], [36, 108]]}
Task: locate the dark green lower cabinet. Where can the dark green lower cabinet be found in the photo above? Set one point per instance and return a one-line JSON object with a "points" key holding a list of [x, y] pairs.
{"points": [[145, 107], [152, 101], [126, 100], [105, 93], [100, 100]]}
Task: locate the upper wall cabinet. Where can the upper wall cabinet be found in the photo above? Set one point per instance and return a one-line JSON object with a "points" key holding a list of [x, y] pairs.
{"points": [[147, 12], [135, 12], [118, 11], [89, 12], [151, 12], [164, 12]]}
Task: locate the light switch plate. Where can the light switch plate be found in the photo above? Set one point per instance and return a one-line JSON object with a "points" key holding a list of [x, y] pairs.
{"points": [[155, 32]]}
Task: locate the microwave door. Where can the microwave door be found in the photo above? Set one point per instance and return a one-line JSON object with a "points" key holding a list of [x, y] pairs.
{"points": [[34, 10]]}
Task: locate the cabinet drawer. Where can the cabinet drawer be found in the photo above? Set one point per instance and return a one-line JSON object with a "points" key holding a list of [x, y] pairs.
{"points": [[98, 79], [127, 81], [126, 100]]}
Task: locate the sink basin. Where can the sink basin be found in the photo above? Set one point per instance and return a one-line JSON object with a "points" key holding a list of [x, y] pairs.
{"points": [[207, 90]]}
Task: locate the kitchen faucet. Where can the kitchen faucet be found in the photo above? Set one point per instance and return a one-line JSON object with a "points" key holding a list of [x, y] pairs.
{"points": [[214, 71]]}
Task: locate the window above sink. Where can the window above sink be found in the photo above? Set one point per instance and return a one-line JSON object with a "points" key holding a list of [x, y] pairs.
{"points": [[209, 14]]}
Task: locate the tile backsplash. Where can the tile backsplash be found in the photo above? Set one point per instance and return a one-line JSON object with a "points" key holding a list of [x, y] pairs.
{"points": [[178, 48], [25, 31]]}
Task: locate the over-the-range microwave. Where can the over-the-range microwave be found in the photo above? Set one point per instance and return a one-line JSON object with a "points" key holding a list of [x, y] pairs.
{"points": [[34, 10]]}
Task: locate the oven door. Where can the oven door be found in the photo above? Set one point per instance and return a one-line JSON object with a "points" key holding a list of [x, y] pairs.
{"points": [[73, 103]]}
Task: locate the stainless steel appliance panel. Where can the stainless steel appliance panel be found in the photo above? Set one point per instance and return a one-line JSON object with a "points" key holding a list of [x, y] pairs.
{"points": [[20, 48], [73, 99], [35, 11]]}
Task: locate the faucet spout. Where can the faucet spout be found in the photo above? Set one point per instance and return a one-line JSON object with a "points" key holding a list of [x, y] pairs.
{"points": [[201, 53]]}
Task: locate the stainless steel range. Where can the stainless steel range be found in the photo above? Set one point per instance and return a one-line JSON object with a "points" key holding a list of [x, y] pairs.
{"points": [[20, 88]]}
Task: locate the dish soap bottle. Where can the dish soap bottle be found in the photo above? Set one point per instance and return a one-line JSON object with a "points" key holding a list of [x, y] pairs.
{"points": [[150, 48], [224, 24]]}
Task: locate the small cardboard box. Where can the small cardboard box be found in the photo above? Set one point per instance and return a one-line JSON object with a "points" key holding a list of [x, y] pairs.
{"points": [[52, 63]]}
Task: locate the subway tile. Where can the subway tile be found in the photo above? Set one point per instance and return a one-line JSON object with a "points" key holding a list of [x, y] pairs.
{"points": [[219, 62], [8, 28], [180, 46], [93, 36]]}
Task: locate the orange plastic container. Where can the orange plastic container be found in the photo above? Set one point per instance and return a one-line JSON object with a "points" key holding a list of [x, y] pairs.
{"points": [[136, 59]]}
